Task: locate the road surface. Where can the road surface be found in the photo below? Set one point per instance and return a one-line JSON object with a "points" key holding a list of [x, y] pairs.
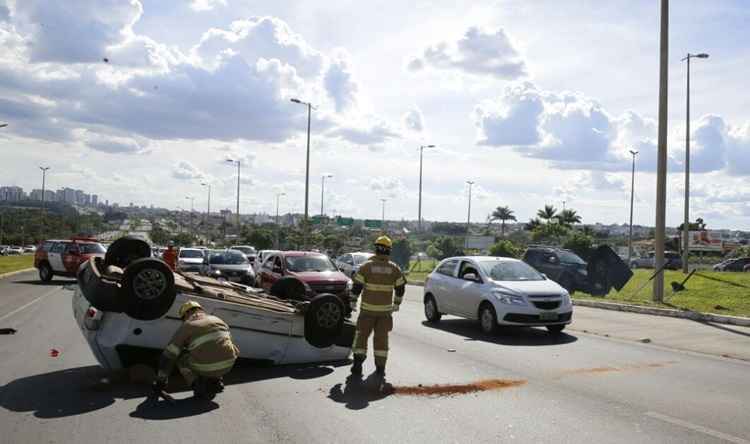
{"points": [[578, 388]]}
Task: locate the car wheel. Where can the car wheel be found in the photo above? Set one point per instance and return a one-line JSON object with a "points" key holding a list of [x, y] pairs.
{"points": [[556, 329], [125, 250], [324, 320], [288, 288], [487, 318], [45, 272], [431, 310], [148, 289]]}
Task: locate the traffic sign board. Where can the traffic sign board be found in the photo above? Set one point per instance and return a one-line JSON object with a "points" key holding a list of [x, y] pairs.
{"points": [[373, 223], [344, 221]]}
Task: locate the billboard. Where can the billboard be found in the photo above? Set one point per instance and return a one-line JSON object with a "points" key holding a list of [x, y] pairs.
{"points": [[479, 242]]}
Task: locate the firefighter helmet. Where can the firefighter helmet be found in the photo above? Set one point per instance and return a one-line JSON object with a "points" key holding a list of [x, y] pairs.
{"points": [[384, 241], [187, 306]]}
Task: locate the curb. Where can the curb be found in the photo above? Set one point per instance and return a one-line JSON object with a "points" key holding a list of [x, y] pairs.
{"points": [[684, 314], [13, 273]]}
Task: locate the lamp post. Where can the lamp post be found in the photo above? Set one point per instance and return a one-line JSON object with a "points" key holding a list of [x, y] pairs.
{"points": [[382, 223], [237, 216], [208, 206], [468, 217], [278, 226], [44, 178], [686, 223], [632, 193], [322, 190], [419, 213], [307, 165], [661, 158]]}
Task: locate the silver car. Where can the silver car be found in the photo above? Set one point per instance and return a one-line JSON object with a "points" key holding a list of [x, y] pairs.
{"points": [[349, 263], [496, 291]]}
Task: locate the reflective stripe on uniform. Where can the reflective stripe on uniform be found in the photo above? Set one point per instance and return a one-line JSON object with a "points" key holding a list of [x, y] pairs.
{"points": [[359, 278], [375, 307], [378, 287], [381, 353], [212, 367], [200, 340], [400, 281], [172, 350], [359, 351]]}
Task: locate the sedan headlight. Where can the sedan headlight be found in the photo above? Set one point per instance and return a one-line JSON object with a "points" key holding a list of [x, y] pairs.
{"points": [[565, 296], [509, 299]]}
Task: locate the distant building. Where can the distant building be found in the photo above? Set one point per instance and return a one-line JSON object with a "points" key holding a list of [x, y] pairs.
{"points": [[12, 194], [94, 200]]}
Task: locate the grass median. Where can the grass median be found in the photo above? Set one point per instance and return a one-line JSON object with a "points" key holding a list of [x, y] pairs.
{"points": [[726, 293], [418, 270], [14, 263]]}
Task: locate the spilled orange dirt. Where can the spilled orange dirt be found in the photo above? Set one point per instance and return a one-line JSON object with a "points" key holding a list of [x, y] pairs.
{"points": [[456, 389], [595, 370]]}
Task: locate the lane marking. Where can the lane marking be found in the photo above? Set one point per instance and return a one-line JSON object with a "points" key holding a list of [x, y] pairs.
{"points": [[697, 428], [27, 304]]}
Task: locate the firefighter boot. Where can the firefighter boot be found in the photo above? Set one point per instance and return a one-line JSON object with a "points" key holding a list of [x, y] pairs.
{"points": [[357, 365], [380, 372]]}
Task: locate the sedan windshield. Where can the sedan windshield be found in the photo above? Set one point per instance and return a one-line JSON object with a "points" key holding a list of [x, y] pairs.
{"points": [[509, 271], [309, 263], [191, 254], [361, 258], [246, 250], [228, 258], [567, 257]]}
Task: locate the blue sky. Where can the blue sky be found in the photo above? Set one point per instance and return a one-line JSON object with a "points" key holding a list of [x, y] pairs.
{"points": [[535, 102]]}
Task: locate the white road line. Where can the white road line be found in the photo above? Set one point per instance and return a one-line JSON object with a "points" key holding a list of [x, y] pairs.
{"points": [[697, 428], [27, 305]]}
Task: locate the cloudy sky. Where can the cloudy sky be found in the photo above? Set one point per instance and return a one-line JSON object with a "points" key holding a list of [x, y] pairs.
{"points": [[537, 103]]}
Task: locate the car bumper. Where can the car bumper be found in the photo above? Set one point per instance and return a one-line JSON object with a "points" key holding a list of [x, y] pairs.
{"points": [[533, 316]]}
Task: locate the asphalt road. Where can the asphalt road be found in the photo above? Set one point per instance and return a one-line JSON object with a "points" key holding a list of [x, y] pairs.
{"points": [[577, 388]]}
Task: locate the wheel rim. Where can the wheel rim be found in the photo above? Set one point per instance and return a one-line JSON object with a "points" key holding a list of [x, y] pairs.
{"points": [[328, 315], [148, 284], [45, 272], [487, 320], [429, 309]]}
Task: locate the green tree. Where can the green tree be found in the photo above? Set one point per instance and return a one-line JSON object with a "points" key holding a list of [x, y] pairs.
{"points": [[434, 252], [502, 214], [261, 239], [568, 218], [548, 213], [443, 247], [579, 243], [401, 253], [505, 248], [549, 231], [532, 224]]}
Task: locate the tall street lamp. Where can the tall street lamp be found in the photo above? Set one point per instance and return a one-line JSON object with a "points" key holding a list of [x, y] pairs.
{"points": [[322, 190], [686, 224], [632, 192], [382, 222], [661, 158], [307, 165], [238, 192], [208, 206], [419, 213], [468, 217], [278, 227], [44, 177]]}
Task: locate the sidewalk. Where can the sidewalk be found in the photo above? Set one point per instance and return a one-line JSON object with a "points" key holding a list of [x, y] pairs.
{"points": [[684, 334]]}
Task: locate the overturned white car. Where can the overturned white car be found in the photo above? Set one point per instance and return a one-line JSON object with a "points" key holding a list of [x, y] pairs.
{"points": [[126, 307]]}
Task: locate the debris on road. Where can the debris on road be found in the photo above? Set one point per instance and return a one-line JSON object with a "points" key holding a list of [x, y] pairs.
{"points": [[8, 331], [451, 350], [645, 340], [680, 286], [54, 353], [607, 369], [455, 389]]}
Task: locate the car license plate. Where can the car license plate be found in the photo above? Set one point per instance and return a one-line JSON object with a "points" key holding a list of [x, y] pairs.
{"points": [[547, 316]]}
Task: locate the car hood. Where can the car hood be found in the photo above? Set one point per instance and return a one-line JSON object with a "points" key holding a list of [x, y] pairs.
{"points": [[320, 276], [531, 288], [191, 260]]}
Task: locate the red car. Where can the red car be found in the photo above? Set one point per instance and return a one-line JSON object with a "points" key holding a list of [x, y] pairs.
{"points": [[316, 270], [63, 257]]}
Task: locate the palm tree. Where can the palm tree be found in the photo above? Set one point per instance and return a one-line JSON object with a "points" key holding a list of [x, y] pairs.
{"points": [[532, 224], [502, 214], [568, 218], [548, 213]]}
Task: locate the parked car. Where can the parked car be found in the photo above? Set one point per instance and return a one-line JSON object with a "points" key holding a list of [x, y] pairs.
{"points": [[126, 306], [230, 265], [29, 249], [746, 268], [496, 291], [315, 270], [247, 250], [349, 263], [562, 266], [260, 257], [672, 259], [4, 249], [63, 257], [13, 250], [190, 259], [735, 264]]}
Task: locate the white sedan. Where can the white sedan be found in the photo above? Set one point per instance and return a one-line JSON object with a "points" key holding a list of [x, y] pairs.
{"points": [[496, 291]]}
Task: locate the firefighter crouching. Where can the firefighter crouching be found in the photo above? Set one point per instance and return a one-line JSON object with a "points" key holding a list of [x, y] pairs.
{"points": [[203, 350], [376, 280]]}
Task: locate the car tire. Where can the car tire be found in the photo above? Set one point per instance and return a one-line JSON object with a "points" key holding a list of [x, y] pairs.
{"points": [[45, 272], [125, 250], [431, 311], [147, 289], [488, 319], [555, 329], [324, 320], [288, 288]]}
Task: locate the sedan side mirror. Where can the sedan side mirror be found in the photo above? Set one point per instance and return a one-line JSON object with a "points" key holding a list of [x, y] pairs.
{"points": [[471, 277]]}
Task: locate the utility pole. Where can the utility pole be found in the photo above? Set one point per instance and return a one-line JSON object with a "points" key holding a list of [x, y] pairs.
{"points": [[307, 168], [661, 169], [419, 214], [322, 191], [237, 216], [208, 206], [632, 193], [44, 177], [278, 226], [468, 217], [383, 215]]}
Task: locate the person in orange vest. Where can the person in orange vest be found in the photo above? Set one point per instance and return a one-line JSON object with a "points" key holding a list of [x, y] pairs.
{"points": [[170, 256]]}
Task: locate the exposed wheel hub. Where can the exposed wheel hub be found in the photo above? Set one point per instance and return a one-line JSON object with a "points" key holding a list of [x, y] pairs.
{"points": [[149, 284]]}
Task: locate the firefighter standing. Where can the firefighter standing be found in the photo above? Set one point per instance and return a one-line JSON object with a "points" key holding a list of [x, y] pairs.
{"points": [[170, 256], [376, 279], [203, 350]]}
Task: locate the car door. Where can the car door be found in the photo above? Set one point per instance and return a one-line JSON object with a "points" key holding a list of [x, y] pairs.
{"points": [[274, 272], [469, 293], [443, 285], [54, 257], [70, 258], [265, 272]]}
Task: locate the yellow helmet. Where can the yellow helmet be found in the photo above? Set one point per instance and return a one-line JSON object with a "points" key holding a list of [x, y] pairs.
{"points": [[187, 306], [384, 241]]}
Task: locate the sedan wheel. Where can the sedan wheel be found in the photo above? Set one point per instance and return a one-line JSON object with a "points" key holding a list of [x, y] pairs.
{"points": [[487, 319], [431, 311]]}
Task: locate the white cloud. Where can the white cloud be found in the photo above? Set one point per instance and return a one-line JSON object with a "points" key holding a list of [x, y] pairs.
{"points": [[339, 82], [478, 51], [206, 5], [117, 145], [413, 120], [187, 171], [373, 134], [387, 187]]}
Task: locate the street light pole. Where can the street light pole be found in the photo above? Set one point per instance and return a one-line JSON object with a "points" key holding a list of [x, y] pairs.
{"points": [[237, 216], [382, 223], [307, 166], [44, 177], [632, 193], [661, 165], [468, 217], [278, 226], [208, 206], [419, 216], [686, 223], [322, 190]]}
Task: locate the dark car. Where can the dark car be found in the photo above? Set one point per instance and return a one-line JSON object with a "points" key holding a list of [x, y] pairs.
{"points": [[736, 264], [562, 266], [231, 265]]}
